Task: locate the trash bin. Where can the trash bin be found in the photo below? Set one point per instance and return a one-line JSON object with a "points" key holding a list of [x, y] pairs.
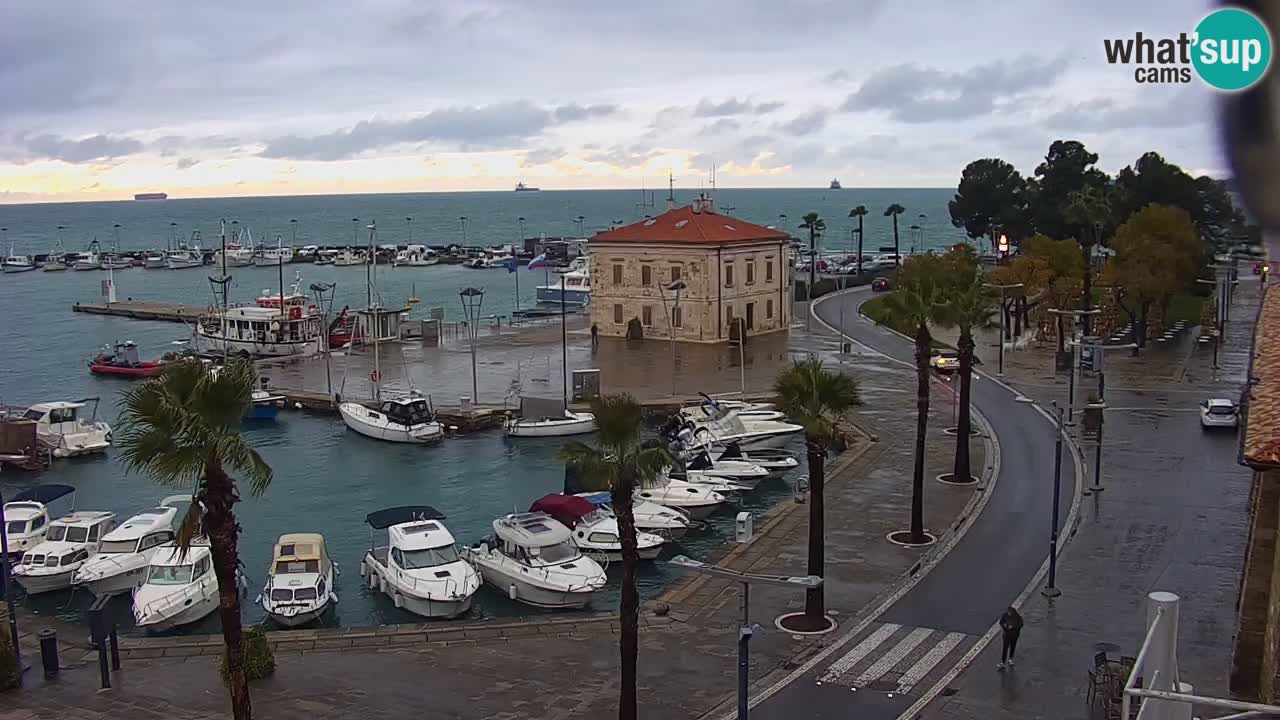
{"points": [[49, 652]]}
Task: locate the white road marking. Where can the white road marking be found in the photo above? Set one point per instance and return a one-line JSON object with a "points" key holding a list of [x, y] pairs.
{"points": [[892, 658], [861, 650], [924, 665]]}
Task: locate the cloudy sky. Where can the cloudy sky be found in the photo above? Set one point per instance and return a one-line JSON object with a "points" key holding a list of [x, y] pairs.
{"points": [[99, 100]]}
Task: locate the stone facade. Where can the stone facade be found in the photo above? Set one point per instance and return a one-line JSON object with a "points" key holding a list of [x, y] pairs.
{"points": [[1255, 671], [747, 279]]}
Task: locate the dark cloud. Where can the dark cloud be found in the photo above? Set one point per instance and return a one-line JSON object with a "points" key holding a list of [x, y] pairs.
{"points": [[733, 106], [96, 148], [1184, 108], [806, 124], [916, 94], [186, 162], [720, 127], [482, 127], [574, 113]]}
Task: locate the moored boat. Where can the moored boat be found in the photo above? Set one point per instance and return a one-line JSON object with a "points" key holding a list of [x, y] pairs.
{"points": [[300, 581], [123, 362], [27, 516], [593, 529], [531, 558], [120, 564], [180, 588], [14, 263], [60, 427], [419, 568], [70, 541]]}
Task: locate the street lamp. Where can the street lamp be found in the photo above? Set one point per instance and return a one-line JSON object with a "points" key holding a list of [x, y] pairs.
{"points": [[472, 299], [355, 232], [408, 223], [579, 221], [1003, 330], [745, 628], [674, 287], [1051, 590], [1096, 350], [1075, 363], [293, 224], [1003, 249], [462, 220]]}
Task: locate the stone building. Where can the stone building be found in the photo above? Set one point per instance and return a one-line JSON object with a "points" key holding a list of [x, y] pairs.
{"points": [[728, 269]]}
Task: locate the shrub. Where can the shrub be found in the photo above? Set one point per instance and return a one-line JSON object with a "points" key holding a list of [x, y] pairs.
{"points": [[259, 661]]}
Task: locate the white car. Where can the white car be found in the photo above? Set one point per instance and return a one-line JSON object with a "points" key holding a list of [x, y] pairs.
{"points": [[945, 361], [1219, 413]]}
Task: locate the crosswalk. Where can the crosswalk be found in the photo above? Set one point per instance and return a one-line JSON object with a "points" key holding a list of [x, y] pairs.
{"points": [[896, 658]]}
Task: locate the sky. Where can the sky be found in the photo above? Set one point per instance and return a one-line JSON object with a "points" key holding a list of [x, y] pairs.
{"points": [[105, 99]]}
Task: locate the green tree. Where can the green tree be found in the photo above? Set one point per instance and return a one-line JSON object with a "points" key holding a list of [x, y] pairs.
{"points": [[1067, 168], [816, 226], [991, 196], [620, 463], [819, 400], [894, 211], [914, 303], [1221, 223], [1087, 210], [1152, 179], [966, 303], [859, 212], [1157, 254], [183, 428]]}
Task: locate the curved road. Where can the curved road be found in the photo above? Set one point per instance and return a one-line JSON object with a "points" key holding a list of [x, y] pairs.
{"points": [[964, 594]]}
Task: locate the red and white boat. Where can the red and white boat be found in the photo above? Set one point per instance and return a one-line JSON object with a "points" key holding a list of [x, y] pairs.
{"points": [[123, 361]]}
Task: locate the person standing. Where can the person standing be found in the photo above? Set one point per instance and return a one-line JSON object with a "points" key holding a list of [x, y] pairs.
{"points": [[1010, 629], [595, 336]]}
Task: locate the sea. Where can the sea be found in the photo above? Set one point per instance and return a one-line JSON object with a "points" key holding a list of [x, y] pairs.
{"points": [[326, 478]]}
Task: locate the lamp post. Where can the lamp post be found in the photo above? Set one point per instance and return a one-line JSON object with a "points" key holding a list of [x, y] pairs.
{"points": [[520, 220], [1075, 360], [472, 299], [579, 222], [293, 226], [1051, 589], [915, 238], [4, 589], [462, 221], [674, 287], [1003, 249], [1097, 357], [324, 298], [1002, 289], [408, 223], [745, 628]]}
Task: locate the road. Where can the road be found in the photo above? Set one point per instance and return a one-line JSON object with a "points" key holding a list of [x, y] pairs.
{"points": [[886, 667]]}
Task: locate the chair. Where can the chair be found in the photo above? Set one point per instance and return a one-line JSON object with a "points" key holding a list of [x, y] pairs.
{"points": [[1099, 677]]}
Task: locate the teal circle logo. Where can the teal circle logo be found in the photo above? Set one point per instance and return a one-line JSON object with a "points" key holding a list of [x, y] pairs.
{"points": [[1232, 49]]}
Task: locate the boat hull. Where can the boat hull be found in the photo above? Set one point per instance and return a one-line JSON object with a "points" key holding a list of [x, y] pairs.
{"points": [[649, 553], [301, 619], [12, 269], [37, 584], [295, 348], [153, 263], [54, 267], [551, 295], [577, 425], [118, 584], [530, 594], [199, 609], [352, 415], [262, 411], [142, 370], [173, 264]]}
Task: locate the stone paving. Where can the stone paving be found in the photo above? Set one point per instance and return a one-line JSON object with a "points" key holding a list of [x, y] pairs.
{"points": [[565, 666], [1173, 517]]}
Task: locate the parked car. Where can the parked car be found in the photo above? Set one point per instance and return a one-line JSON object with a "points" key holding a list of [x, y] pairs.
{"points": [[945, 361], [880, 285], [1219, 413]]}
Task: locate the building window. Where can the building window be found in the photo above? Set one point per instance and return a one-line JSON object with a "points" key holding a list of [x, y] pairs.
{"points": [[751, 272], [646, 275], [677, 317], [751, 316], [728, 316], [768, 272], [617, 273], [768, 308], [646, 315], [728, 275], [675, 273], [617, 312]]}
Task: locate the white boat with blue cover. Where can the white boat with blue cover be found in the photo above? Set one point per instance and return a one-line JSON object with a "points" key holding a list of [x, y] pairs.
{"points": [[27, 516], [420, 567]]}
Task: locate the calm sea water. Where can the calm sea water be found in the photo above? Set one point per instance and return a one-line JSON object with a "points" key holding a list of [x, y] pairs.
{"points": [[327, 478]]}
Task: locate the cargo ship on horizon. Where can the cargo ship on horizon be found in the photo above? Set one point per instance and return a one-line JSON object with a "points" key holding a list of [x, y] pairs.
{"points": [[151, 196]]}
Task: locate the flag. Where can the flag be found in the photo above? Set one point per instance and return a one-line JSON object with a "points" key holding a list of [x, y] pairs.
{"points": [[511, 264], [538, 262]]}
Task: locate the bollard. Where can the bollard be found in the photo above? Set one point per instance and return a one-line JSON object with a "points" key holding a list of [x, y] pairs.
{"points": [[49, 652], [115, 648]]}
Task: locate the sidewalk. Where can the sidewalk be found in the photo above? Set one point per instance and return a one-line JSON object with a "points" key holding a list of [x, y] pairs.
{"points": [[569, 669], [1173, 517]]}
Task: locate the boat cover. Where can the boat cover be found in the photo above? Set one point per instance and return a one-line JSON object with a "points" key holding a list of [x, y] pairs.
{"points": [[732, 451], [383, 519], [566, 509]]}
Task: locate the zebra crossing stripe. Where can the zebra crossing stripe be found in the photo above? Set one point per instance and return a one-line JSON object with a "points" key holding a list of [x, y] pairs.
{"points": [[893, 657], [861, 650], [924, 665]]}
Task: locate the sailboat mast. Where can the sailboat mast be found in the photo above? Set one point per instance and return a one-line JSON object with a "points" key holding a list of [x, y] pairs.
{"points": [[564, 345], [223, 281], [374, 316], [280, 265]]}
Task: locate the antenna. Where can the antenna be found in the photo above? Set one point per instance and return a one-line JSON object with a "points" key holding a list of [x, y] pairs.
{"points": [[671, 191]]}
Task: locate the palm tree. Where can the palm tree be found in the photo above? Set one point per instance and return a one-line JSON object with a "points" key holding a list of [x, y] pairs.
{"points": [[859, 212], [817, 399], [815, 225], [1087, 209], [894, 211], [913, 303], [620, 463], [183, 428], [966, 305]]}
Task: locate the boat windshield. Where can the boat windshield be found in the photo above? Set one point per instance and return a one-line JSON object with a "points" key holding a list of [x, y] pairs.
{"points": [[118, 546], [554, 554], [56, 533], [14, 527], [284, 567], [430, 557], [75, 534], [169, 575]]}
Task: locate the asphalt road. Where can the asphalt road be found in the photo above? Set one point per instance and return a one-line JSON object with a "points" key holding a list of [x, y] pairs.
{"points": [[950, 608]]}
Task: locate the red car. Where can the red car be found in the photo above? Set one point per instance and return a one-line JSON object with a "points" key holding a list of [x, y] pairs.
{"points": [[880, 284]]}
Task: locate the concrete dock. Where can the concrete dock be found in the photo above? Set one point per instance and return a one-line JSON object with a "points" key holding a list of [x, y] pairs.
{"points": [[138, 310]]}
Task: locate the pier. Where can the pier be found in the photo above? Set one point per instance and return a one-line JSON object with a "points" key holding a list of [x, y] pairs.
{"points": [[138, 310]]}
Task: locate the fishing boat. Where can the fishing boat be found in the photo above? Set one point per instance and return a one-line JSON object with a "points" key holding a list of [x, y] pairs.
{"points": [[27, 516], [300, 581], [186, 256], [56, 260], [538, 418], [650, 517], [419, 568], [347, 258], [531, 558], [573, 288], [60, 427], [89, 259], [267, 257], [415, 256], [264, 404], [593, 529], [326, 257], [122, 361], [234, 255], [262, 331], [180, 588], [154, 260], [121, 562], [15, 263], [342, 329], [70, 541], [115, 261]]}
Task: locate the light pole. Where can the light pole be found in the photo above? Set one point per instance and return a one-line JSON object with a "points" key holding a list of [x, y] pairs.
{"points": [[472, 299], [915, 238], [1051, 589], [462, 221], [293, 225], [674, 287], [745, 628], [1096, 350], [520, 220], [408, 223], [579, 221], [324, 298], [1002, 289], [4, 589], [1075, 360]]}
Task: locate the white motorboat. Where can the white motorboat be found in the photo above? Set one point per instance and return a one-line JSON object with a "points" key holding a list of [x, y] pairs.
{"points": [[415, 256], [594, 529], [660, 520], [348, 258], [565, 422], [573, 287], [695, 499], [235, 255], [184, 256], [740, 472], [114, 261], [300, 582], [70, 541], [273, 257], [532, 559], [154, 260], [57, 259], [410, 420], [728, 426], [419, 568], [774, 460], [27, 516], [59, 426], [14, 263], [125, 553], [89, 259], [180, 588], [710, 408]]}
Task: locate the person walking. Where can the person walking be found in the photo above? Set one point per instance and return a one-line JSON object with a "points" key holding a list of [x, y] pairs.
{"points": [[595, 336], [1011, 628]]}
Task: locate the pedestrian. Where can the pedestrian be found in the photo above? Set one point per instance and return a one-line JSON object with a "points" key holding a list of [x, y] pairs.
{"points": [[595, 336], [1011, 628]]}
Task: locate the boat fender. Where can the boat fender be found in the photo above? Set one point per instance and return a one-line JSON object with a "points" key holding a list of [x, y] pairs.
{"points": [[373, 581], [362, 568], [399, 600], [511, 591]]}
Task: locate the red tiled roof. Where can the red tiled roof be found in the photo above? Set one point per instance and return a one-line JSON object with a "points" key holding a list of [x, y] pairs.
{"points": [[1262, 428], [684, 225]]}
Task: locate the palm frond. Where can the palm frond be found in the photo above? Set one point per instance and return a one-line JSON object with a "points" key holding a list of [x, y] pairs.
{"points": [[815, 398], [237, 454], [191, 527]]}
